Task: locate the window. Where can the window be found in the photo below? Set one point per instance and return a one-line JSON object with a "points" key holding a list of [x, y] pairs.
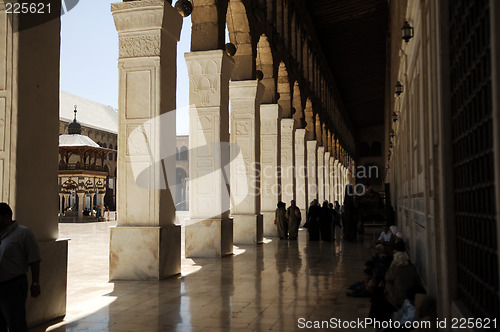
{"points": [[183, 153], [376, 149], [364, 149]]}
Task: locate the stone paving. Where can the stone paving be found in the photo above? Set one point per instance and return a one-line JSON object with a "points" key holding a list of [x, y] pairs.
{"points": [[261, 287]]}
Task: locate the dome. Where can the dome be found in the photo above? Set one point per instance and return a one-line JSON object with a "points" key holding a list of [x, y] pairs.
{"points": [[75, 127]]}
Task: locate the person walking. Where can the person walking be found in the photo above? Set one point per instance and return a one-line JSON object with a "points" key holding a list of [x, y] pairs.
{"points": [[313, 220], [18, 252], [349, 215], [294, 217], [281, 222], [326, 222]]}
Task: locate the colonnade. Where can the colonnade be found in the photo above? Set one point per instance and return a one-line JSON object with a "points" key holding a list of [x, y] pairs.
{"points": [[238, 172]]}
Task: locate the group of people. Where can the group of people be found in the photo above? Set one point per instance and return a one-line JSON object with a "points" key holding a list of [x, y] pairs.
{"points": [[321, 220], [389, 280], [288, 221]]}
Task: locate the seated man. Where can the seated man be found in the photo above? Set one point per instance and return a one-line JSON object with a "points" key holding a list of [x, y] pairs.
{"points": [[385, 236]]}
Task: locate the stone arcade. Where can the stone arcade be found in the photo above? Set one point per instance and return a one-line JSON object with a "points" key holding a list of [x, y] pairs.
{"points": [[309, 82]]}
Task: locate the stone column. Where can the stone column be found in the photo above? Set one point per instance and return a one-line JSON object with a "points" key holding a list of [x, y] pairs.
{"points": [[209, 231], [245, 97], [337, 181], [342, 180], [61, 204], [29, 100], [92, 202], [321, 174], [67, 201], [327, 176], [146, 244], [270, 157], [287, 160], [81, 205], [101, 210], [332, 179], [301, 171], [312, 179]]}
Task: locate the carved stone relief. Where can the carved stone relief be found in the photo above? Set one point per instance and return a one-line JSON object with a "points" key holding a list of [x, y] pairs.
{"points": [[139, 46]]}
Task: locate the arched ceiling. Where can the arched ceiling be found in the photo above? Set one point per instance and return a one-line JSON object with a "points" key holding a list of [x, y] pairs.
{"points": [[353, 36]]}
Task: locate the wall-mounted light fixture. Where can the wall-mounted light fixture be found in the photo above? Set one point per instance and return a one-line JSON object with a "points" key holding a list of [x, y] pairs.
{"points": [[184, 7], [230, 49], [399, 88], [407, 30]]}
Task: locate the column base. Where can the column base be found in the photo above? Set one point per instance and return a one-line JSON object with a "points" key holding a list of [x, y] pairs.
{"points": [[248, 228], [53, 281], [209, 237], [144, 253], [269, 226]]}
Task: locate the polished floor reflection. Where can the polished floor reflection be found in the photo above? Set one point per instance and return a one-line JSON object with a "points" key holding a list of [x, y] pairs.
{"points": [[262, 287]]}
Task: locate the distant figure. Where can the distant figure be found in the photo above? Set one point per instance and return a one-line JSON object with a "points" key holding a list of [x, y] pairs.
{"points": [[281, 222], [349, 215], [294, 217], [313, 218], [385, 236], [326, 222], [18, 251], [337, 209]]}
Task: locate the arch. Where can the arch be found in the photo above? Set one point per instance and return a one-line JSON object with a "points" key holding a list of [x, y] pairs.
{"points": [[264, 63], [324, 136], [283, 88], [180, 189], [183, 154], [239, 35], [298, 116], [269, 10], [309, 118], [376, 149], [208, 25], [286, 23], [293, 34], [364, 149], [319, 137]]}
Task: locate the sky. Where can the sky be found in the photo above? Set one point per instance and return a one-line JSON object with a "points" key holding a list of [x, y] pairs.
{"points": [[89, 57]]}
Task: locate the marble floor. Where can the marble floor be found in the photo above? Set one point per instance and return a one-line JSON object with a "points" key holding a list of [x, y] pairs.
{"points": [[278, 286]]}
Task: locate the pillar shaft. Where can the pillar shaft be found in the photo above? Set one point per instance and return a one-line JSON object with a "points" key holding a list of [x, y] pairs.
{"points": [[321, 174], [81, 205], [287, 160], [148, 33], [209, 231], [245, 99], [301, 170], [29, 100], [338, 188], [312, 179], [332, 179], [61, 204], [327, 176], [270, 156]]}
